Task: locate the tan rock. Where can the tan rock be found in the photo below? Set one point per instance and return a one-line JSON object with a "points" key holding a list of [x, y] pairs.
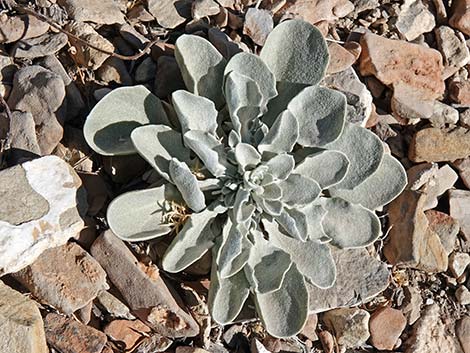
{"points": [[386, 326], [315, 11], [14, 28], [458, 263], [414, 19], [453, 48], [445, 227], [462, 329], [439, 145], [169, 12], [461, 16], [459, 201], [460, 92], [411, 306], [340, 58], [463, 166], [395, 61], [126, 332], [190, 350], [462, 294], [310, 327], [258, 24], [21, 326], [100, 12], [350, 326], [204, 8]]}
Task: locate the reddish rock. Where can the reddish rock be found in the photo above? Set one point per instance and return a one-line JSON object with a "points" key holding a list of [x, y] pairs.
{"points": [[462, 330], [395, 61], [126, 332], [386, 326], [317, 10], [461, 16], [460, 92], [310, 327], [340, 58], [463, 166], [69, 336]]}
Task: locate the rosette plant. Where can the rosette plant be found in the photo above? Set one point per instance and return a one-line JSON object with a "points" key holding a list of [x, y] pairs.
{"points": [[263, 164]]}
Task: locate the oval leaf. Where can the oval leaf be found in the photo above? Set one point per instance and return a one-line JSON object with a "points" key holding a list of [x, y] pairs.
{"points": [[187, 185]]}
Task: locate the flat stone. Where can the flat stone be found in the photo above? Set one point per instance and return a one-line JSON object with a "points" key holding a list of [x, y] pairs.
{"points": [[453, 48], [204, 8], [386, 325], [144, 290], [70, 336], [258, 24], [310, 328], [460, 92], [66, 277], [15, 28], [463, 166], [104, 12], [439, 145], [113, 306], [462, 294], [411, 306], [85, 55], [21, 326], [398, 62], [430, 334], [358, 97], [350, 326], [38, 210], [146, 70], [22, 132], [41, 93], [223, 43], [461, 16], [414, 19], [126, 333], [114, 70], [462, 329], [190, 350], [153, 344], [445, 227], [359, 278], [139, 13], [340, 58], [444, 179], [317, 11], [168, 77], [169, 12], [132, 36], [458, 263], [38, 47], [459, 201]]}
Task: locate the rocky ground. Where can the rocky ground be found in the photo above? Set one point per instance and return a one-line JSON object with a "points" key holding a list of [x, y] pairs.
{"points": [[404, 67]]}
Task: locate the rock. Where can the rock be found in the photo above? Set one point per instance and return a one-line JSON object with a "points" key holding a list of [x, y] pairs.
{"points": [[126, 333], [461, 16], [154, 344], [459, 202], [40, 92], [460, 92], [38, 47], [359, 278], [445, 227], [439, 145], [131, 36], [394, 62], [169, 13], [146, 70], [386, 326], [65, 277], [463, 166], [411, 306], [114, 70], [257, 347], [317, 11], [138, 13], [444, 178], [258, 24], [143, 289], [84, 55], [430, 335], [462, 294], [358, 97], [458, 262], [310, 328], [340, 58], [114, 306], [327, 341], [462, 329], [21, 328], [38, 210], [204, 8], [223, 43], [104, 12], [22, 133], [190, 350], [414, 19], [453, 48], [350, 326], [15, 28], [168, 77], [70, 336]]}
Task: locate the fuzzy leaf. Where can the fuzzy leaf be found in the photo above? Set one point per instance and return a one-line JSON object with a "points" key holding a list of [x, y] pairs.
{"points": [[272, 208], [210, 150], [109, 125], [158, 144], [272, 192], [266, 266], [349, 225], [191, 242], [299, 190], [314, 214], [138, 215], [252, 66], [247, 156], [234, 251], [280, 166], [386, 183], [321, 115], [313, 259], [364, 151], [282, 136], [327, 168], [194, 112], [242, 209], [290, 303], [186, 182], [295, 51], [202, 67], [294, 223]]}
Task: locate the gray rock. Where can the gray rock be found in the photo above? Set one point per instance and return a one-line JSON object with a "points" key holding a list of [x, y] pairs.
{"points": [[170, 13], [465, 118], [20, 27], [462, 329], [114, 306], [458, 263], [359, 278], [22, 132], [453, 48], [21, 327], [168, 77], [146, 70], [144, 290], [154, 344], [258, 25], [204, 8], [459, 201], [40, 92], [97, 11], [133, 37], [350, 326], [445, 227], [38, 210], [414, 19], [47, 44], [65, 277], [223, 43]]}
